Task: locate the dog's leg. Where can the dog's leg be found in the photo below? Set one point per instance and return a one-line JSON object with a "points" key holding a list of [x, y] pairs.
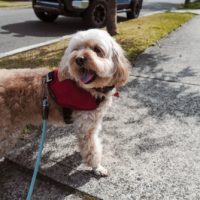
{"points": [[91, 150]]}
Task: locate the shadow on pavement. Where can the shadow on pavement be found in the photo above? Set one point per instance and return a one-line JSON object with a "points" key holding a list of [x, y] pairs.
{"points": [[75, 178], [15, 182], [163, 94], [63, 26], [63, 167], [150, 63]]}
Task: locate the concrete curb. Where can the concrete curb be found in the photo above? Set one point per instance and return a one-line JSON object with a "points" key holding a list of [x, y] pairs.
{"points": [[16, 7], [195, 11]]}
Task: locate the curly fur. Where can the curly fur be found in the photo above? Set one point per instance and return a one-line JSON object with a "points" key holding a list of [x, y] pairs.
{"points": [[21, 93]]}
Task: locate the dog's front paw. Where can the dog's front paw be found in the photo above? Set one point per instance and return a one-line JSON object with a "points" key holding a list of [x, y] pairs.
{"points": [[100, 171]]}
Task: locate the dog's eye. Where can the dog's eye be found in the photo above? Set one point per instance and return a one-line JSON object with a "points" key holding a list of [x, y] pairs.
{"points": [[98, 51]]}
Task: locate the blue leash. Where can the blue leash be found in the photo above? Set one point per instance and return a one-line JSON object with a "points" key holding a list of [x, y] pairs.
{"points": [[45, 107]]}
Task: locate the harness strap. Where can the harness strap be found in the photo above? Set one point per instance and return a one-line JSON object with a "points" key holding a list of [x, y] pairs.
{"points": [[105, 90], [49, 77], [66, 112], [67, 115]]}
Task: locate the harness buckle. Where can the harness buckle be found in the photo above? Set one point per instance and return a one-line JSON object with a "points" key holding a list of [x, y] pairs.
{"points": [[45, 104], [49, 77], [45, 108]]}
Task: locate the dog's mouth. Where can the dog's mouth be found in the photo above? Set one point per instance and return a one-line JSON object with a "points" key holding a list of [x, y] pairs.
{"points": [[87, 76]]}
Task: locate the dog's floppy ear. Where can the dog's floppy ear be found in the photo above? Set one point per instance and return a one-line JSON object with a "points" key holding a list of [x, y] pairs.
{"points": [[63, 66], [122, 66]]}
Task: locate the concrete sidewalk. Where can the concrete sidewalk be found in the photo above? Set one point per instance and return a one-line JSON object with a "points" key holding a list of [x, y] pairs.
{"points": [[151, 135]]}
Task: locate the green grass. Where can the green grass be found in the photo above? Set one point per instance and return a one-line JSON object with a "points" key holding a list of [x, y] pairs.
{"points": [[193, 5], [47, 56], [4, 3], [134, 36]]}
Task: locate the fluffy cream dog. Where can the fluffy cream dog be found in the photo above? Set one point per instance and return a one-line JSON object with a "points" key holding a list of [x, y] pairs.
{"points": [[96, 62]]}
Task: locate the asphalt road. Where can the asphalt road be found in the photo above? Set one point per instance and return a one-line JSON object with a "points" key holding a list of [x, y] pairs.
{"points": [[19, 27]]}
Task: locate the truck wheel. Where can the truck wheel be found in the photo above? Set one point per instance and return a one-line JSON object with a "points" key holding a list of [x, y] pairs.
{"points": [[96, 15], [45, 16], [135, 10]]}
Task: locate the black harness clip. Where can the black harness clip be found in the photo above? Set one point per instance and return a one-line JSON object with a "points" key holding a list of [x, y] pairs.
{"points": [[45, 108]]}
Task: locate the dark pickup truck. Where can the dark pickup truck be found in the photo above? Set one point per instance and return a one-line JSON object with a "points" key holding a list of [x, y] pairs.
{"points": [[93, 12]]}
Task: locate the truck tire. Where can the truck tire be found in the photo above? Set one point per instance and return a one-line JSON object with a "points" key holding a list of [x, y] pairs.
{"points": [[96, 14], [135, 10], [45, 16]]}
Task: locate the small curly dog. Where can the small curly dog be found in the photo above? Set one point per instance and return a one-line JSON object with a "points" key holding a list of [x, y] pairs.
{"points": [[96, 63]]}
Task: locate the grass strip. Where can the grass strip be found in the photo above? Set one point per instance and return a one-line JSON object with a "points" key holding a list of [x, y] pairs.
{"points": [[134, 36], [46, 56], [4, 3], [192, 5]]}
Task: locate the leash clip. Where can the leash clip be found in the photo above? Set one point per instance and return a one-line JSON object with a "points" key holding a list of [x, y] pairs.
{"points": [[45, 108]]}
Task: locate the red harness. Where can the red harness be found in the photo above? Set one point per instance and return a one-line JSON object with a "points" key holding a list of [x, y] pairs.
{"points": [[68, 95]]}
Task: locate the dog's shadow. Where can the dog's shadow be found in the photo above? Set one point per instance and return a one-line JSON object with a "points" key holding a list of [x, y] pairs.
{"points": [[66, 171], [60, 163]]}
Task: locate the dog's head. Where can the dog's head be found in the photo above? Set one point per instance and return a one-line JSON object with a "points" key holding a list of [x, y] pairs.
{"points": [[94, 60]]}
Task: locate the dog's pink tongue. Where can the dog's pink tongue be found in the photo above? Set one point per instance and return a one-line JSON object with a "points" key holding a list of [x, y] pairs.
{"points": [[87, 76]]}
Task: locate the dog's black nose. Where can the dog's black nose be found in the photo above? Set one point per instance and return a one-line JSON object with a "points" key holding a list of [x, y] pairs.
{"points": [[80, 60]]}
